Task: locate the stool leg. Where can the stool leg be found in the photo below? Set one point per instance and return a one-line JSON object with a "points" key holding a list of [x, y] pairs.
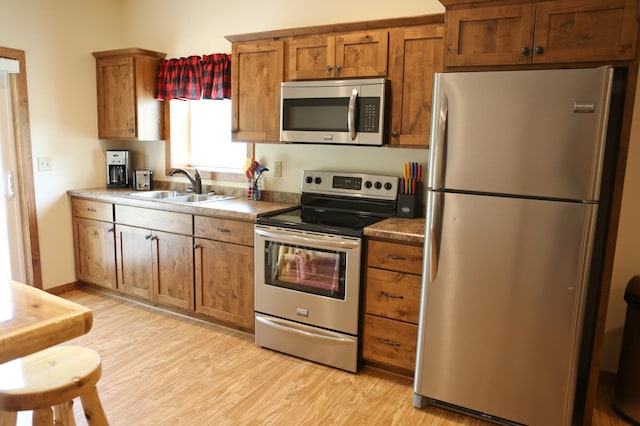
{"points": [[8, 418], [42, 417], [64, 414], [92, 407]]}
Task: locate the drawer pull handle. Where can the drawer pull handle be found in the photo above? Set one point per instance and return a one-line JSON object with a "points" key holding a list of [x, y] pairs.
{"points": [[91, 209], [391, 296], [148, 237], [222, 230], [394, 257], [389, 342]]}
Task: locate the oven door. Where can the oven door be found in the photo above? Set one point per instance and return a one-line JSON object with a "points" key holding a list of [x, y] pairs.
{"points": [[308, 277]]}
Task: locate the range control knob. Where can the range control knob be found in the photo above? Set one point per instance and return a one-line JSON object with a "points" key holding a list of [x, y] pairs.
{"points": [[388, 186], [309, 179], [318, 181], [378, 185], [368, 184]]}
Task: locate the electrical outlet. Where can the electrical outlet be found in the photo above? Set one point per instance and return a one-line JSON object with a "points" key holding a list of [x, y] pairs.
{"points": [[45, 164], [277, 168]]}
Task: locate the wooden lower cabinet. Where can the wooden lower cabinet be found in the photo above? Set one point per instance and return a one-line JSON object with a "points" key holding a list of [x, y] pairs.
{"points": [[94, 242], [224, 270], [392, 305], [152, 263], [156, 265]]}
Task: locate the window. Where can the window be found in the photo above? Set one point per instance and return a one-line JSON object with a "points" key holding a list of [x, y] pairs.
{"points": [[200, 134]]}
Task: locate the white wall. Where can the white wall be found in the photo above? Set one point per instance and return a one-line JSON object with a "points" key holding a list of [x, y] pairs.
{"points": [[627, 258], [59, 36]]}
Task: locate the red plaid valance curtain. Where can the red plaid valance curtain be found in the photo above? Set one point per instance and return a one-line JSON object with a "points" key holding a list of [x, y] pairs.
{"points": [[194, 77]]}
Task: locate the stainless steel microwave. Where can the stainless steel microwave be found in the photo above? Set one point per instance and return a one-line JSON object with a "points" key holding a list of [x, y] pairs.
{"points": [[334, 111]]}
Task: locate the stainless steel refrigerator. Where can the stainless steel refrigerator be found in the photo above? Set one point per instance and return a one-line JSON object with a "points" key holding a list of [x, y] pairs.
{"points": [[514, 187]]}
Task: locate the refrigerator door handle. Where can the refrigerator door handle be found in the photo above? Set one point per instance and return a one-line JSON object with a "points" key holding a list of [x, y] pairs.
{"points": [[434, 235], [438, 142]]}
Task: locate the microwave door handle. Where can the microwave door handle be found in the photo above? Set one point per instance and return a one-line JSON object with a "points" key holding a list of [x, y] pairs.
{"points": [[351, 114]]}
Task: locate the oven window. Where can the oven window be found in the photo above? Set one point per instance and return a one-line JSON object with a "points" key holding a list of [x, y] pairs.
{"points": [[305, 269]]}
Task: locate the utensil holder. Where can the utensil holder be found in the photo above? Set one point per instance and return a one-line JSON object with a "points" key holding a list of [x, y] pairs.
{"points": [[408, 205]]}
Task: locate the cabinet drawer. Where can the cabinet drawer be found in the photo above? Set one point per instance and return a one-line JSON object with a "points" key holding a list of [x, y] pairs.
{"points": [[393, 295], [396, 257], [227, 230], [89, 209], [178, 223], [389, 342]]}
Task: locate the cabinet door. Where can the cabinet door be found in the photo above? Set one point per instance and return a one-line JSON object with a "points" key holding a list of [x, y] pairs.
{"points": [[95, 257], [500, 35], [174, 281], [224, 282], [415, 55], [257, 69], [116, 97], [361, 54], [585, 30], [135, 261], [311, 58], [393, 294], [390, 342]]}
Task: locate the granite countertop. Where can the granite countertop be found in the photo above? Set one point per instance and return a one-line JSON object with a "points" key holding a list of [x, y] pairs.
{"points": [[399, 229], [235, 208]]}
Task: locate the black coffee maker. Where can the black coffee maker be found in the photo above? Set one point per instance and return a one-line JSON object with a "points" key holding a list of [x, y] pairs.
{"points": [[118, 169]]}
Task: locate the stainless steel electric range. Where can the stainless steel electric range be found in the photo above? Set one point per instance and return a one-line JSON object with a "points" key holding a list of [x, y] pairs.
{"points": [[308, 266]]}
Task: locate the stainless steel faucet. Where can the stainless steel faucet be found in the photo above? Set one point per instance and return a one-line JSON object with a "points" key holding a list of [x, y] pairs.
{"points": [[196, 180]]}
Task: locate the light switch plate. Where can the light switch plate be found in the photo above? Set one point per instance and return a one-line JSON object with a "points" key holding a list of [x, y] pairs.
{"points": [[277, 168]]}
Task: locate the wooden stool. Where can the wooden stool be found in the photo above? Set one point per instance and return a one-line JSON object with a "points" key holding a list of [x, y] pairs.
{"points": [[51, 379]]}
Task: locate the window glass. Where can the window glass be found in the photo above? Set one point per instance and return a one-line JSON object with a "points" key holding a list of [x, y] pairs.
{"points": [[201, 135]]}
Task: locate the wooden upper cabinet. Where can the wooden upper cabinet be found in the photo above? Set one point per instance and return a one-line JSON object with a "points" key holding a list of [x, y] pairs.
{"points": [[361, 54], [126, 86], [257, 69], [585, 30], [558, 31], [489, 35], [415, 55]]}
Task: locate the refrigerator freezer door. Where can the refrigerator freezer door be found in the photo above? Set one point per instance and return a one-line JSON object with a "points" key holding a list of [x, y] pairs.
{"points": [[500, 311], [533, 133]]}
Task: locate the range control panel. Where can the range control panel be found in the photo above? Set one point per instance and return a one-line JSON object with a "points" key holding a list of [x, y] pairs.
{"points": [[350, 184]]}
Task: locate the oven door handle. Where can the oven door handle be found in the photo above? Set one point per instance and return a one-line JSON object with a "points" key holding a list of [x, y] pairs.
{"points": [[328, 337], [316, 240]]}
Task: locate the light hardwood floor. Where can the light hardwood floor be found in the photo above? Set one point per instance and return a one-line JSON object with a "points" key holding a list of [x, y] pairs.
{"points": [[160, 368]]}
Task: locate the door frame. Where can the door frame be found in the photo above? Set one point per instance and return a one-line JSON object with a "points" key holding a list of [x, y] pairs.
{"points": [[25, 181]]}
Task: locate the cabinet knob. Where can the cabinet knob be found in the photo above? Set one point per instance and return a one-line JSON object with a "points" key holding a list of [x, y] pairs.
{"points": [[196, 246], [394, 134], [338, 68], [130, 130], [524, 51], [329, 68], [539, 50], [110, 230], [234, 131]]}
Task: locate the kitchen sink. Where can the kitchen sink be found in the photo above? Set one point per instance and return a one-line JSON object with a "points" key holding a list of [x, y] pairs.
{"points": [[200, 198], [159, 195]]}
